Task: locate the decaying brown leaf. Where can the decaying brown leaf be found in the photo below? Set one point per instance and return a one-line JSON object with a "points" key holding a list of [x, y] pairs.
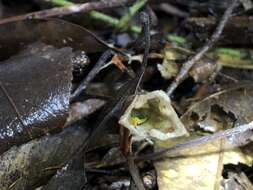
{"points": [[36, 75], [236, 31], [34, 95], [173, 58], [235, 101], [16, 36], [29, 165]]}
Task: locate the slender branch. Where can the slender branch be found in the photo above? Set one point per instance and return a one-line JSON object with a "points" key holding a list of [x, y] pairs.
{"points": [[198, 141], [133, 169], [146, 31], [66, 10], [117, 23], [101, 41], [104, 17], [214, 38]]}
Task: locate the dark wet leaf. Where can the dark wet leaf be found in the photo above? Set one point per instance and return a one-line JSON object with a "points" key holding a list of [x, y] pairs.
{"points": [[31, 164], [36, 79], [15, 36], [71, 176], [34, 94]]}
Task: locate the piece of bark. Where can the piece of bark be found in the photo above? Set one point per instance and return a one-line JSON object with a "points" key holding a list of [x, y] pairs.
{"points": [[238, 31], [34, 94], [30, 165]]}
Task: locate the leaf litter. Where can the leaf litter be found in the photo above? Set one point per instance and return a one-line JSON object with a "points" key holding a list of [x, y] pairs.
{"points": [[150, 109]]}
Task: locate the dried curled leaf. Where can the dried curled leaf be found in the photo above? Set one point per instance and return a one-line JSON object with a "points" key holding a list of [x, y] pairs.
{"points": [[169, 67], [173, 57], [34, 94], [151, 116], [225, 109], [236, 100]]}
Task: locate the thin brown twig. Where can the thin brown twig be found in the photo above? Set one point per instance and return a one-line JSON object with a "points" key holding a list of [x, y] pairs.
{"points": [[96, 37], [66, 10], [188, 144], [146, 31], [214, 38], [133, 169], [215, 95], [219, 165], [124, 93]]}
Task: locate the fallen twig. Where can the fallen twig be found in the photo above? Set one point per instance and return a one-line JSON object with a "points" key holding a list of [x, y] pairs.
{"points": [[198, 141], [133, 169], [97, 38], [92, 74], [126, 142], [120, 24], [135, 174], [214, 38], [123, 94], [66, 10], [146, 31], [188, 144]]}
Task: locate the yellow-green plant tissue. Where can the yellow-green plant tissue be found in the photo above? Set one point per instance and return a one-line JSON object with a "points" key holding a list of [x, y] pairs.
{"points": [[150, 116]]}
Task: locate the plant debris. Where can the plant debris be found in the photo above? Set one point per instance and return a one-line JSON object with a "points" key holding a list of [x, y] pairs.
{"points": [[151, 116], [123, 94], [35, 93]]}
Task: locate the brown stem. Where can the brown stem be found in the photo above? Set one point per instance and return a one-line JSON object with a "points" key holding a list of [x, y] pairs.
{"points": [[214, 38], [125, 141], [134, 171], [198, 141], [66, 10]]}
